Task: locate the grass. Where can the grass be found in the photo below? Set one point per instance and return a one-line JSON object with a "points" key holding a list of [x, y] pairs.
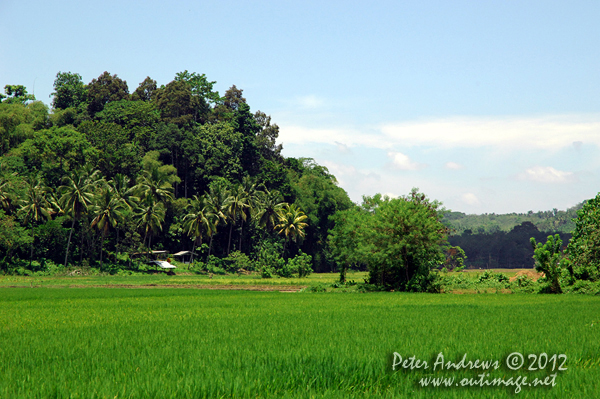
{"points": [[173, 343], [161, 279]]}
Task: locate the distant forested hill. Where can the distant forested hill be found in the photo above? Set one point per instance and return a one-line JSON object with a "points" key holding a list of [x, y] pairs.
{"points": [[502, 241], [488, 223]]}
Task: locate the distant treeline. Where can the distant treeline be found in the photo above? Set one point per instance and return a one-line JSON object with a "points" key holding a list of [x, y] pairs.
{"points": [[489, 223], [506, 250]]}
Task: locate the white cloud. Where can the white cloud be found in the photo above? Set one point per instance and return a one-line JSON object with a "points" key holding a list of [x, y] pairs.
{"points": [[540, 132], [310, 101], [343, 148], [545, 175], [453, 166], [470, 199], [402, 162], [547, 132]]}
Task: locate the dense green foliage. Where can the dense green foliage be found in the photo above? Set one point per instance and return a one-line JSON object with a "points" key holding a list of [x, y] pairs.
{"points": [[583, 251], [400, 240], [165, 167], [189, 343], [501, 250], [489, 223], [548, 258]]}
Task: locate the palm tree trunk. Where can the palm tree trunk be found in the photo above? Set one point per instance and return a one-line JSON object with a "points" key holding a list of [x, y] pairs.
{"points": [[31, 251], [241, 234], [69, 242], [230, 231], [209, 248], [101, 247]]}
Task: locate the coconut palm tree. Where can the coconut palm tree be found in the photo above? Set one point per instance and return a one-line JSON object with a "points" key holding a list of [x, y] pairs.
{"points": [[107, 211], [270, 204], [197, 221], [34, 206], [76, 196], [216, 201], [120, 185], [149, 215], [155, 183], [252, 194], [235, 206], [291, 223], [7, 192]]}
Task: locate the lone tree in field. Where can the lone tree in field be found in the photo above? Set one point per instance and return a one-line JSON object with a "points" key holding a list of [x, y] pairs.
{"points": [[400, 240]]}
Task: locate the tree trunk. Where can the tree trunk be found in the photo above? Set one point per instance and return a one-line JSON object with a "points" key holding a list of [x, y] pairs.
{"points": [[241, 234], [209, 248], [69, 242], [31, 251], [101, 247], [230, 231]]}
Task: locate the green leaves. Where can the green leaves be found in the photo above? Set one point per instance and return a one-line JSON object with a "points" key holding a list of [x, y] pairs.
{"points": [[399, 239], [583, 251], [548, 261]]}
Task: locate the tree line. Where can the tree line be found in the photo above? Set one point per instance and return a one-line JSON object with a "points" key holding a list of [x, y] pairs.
{"points": [[105, 172]]}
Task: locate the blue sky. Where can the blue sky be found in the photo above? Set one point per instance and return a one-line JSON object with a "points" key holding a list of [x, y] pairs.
{"points": [[487, 106]]}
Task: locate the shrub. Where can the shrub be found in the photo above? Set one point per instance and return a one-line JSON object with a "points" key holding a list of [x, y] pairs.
{"points": [[236, 261], [269, 261], [300, 265]]}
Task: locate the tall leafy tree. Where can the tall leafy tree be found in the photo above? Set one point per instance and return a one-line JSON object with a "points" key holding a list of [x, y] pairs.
{"points": [[16, 94], [104, 89], [145, 91], [69, 91]]}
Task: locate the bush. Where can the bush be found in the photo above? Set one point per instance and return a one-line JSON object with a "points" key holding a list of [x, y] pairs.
{"points": [[236, 261], [492, 277], [523, 284], [269, 261], [215, 265], [300, 265]]}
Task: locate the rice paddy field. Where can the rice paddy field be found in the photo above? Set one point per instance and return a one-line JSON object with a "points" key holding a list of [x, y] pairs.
{"points": [[98, 342]]}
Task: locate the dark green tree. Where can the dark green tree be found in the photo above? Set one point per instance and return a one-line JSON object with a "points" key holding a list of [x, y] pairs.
{"points": [[145, 91], [104, 89]]}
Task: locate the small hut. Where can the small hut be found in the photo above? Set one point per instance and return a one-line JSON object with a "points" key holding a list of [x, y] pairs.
{"points": [[184, 256]]}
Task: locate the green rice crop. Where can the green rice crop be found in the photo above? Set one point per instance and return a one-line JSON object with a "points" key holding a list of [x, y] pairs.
{"points": [[185, 343]]}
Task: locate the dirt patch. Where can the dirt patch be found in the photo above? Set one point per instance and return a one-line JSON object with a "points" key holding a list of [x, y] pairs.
{"points": [[532, 274]]}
